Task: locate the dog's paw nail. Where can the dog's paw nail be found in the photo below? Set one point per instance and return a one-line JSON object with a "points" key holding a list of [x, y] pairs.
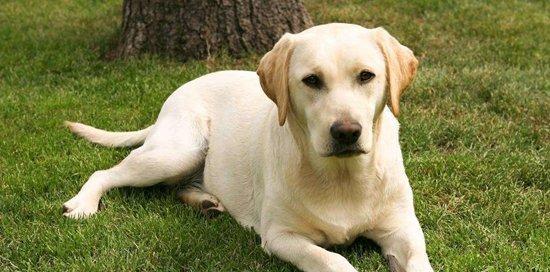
{"points": [[65, 209], [206, 204]]}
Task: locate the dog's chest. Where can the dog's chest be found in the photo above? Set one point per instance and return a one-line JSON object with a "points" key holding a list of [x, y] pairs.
{"points": [[343, 225], [340, 221]]}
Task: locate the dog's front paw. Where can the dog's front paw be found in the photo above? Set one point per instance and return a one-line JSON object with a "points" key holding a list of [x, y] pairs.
{"points": [[419, 268], [80, 207], [419, 265], [340, 264]]}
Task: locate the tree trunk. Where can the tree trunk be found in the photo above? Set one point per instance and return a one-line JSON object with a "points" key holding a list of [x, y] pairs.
{"points": [[200, 28]]}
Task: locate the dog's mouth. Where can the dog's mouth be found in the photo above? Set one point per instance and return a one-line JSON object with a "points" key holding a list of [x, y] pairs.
{"points": [[345, 152]]}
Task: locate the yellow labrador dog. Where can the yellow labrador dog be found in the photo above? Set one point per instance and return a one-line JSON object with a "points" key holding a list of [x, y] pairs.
{"points": [[305, 151]]}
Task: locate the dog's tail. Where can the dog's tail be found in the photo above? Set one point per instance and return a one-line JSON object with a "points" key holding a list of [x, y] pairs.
{"points": [[108, 138]]}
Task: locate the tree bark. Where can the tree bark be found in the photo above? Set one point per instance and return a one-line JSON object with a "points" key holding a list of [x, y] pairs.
{"points": [[200, 28]]}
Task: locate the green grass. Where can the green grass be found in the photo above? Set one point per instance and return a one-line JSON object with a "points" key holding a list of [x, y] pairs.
{"points": [[475, 136]]}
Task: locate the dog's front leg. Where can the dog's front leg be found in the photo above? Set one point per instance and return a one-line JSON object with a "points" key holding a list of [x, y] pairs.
{"points": [[303, 253], [403, 245]]}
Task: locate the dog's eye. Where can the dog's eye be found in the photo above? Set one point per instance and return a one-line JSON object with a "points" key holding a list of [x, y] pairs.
{"points": [[313, 81], [365, 76]]}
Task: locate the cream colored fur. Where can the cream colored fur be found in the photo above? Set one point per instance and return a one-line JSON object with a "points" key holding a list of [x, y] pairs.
{"points": [[269, 162]]}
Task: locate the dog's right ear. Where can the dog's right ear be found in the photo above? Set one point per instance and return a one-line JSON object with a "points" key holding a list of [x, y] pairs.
{"points": [[273, 72]]}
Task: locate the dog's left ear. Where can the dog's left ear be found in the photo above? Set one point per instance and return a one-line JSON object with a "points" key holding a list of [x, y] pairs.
{"points": [[273, 72], [400, 66]]}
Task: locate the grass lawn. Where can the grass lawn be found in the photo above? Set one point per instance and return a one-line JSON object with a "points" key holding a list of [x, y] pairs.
{"points": [[475, 137]]}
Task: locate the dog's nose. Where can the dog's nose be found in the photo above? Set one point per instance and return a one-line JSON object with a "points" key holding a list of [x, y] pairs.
{"points": [[345, 132]]}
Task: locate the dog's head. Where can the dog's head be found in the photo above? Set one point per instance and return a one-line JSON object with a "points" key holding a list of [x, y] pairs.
{"points": [[334, 80]]}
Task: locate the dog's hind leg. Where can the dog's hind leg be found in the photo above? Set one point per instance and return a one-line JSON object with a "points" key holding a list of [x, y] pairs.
{"points": [[143, 167], [206, 203], [172, 151]]}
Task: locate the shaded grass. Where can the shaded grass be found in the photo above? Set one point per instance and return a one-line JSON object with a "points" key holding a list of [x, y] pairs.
{"points": [[475, 139]]}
